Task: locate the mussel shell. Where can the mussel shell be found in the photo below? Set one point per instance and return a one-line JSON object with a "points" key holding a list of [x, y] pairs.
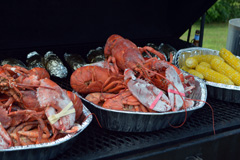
{"points": [[54, 65], [95, 55], [35, 60], [13, 62], [167, 50], [75, 61]]}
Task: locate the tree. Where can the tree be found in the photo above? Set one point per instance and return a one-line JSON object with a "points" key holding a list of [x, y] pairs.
{"points": [[223, 11]]}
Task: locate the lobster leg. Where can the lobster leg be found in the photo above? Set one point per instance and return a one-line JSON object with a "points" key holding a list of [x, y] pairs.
{"points": [[9, 102], [74, 129], [150, 49], [113, 86], [113, 68], [16, 69]]}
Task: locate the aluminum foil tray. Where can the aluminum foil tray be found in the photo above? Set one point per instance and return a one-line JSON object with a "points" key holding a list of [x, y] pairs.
{"points": [[126, 121], [228, 93], [46, 150]]}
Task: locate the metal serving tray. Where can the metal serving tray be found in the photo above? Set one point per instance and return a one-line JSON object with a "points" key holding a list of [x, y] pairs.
{"points": [[228, 93], [46, 150], [126, 121]]}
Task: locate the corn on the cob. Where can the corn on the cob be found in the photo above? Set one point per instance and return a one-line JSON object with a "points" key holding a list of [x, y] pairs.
{"points": [[213, 76], [205, 64], [196, 73], [185, 68], [206, 58], [191, 62], [230, 58], [226, 69]]}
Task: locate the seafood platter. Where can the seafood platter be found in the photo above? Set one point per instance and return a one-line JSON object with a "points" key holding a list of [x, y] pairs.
{"points": [[132, 93], [39, 119], [226, 89]]}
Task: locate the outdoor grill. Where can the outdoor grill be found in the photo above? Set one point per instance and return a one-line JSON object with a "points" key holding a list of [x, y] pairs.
{"points": [[79, 26]]}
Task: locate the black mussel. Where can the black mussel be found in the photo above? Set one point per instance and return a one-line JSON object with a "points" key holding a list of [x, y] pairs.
{"points": [[13, 62], [95, 55], [167, 50], [75, 61], [35, 60], [54, 65]]}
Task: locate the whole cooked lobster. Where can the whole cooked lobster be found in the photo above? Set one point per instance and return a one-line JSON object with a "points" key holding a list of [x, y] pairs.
{"points": [[160, 73], [122, 54], [97, 77]]}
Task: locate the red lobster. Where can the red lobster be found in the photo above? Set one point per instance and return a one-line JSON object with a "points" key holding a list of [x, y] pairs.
{"points": [[127, 55], [29, 100], [96, 77], [123, 101]]}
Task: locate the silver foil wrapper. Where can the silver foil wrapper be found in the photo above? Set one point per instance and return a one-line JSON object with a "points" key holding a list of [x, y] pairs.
{"points": [[54, 65], [34, 59], [228, 93], [45, 150], [75, 61], [126, 121], [13, 62]]}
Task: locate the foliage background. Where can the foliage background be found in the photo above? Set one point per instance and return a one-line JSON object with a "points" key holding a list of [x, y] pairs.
{"points": [[223, 11]]}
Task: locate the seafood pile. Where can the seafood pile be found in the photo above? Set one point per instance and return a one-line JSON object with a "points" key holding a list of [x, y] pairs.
{"points": [[127, 80], [33, 108]]}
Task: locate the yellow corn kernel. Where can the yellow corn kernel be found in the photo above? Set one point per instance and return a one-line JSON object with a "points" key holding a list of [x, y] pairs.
{"points": [[230, 58], [206, 58], [185, 68], [227, 70], [196, 73], [213, 76], [205, 64], [191, 62]]}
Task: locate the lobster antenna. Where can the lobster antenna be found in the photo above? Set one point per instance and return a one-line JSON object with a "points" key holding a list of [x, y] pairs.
{"points": [[94, 116], [211, 111]]}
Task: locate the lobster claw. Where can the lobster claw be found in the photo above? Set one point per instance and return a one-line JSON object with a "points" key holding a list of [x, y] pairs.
{"points": [[148, 94], [176, 92]]}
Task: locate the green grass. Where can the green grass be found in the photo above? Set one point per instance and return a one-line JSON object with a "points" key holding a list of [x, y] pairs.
{"points": [[214, 37]]}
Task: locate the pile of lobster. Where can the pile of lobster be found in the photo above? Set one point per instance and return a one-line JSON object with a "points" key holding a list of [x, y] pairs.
{"points": [[128, 81], [33, 108]]}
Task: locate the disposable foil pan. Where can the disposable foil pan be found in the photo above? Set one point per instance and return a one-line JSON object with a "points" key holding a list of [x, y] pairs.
{"points": [[46, 150], [126, 121], [229, 93]]}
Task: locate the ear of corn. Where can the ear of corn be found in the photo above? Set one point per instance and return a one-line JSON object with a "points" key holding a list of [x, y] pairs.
{"points": [[205, 64], [185, 68], [191, 62], [213, 76], [196, 73], [227, 70], [206, 58], [230, 58]]}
